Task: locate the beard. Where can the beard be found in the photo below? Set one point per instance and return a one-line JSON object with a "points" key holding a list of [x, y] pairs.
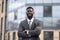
{"points": [[30, 17]]}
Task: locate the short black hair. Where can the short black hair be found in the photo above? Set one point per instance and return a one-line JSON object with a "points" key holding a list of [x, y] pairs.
{"points": [[29, 8]]}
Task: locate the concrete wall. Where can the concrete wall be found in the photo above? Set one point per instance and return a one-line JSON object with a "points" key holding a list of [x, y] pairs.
{"points": [[2, 15]]}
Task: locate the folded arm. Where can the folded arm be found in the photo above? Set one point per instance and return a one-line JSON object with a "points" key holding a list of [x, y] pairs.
{"points": [[20, 31], [36, 31]]}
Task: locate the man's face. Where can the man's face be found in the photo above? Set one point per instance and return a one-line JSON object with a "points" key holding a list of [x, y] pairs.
{"points": [[30, 13]]}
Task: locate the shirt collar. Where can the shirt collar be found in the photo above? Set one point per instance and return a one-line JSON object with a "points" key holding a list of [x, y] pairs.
{"points": [[30, 20]]}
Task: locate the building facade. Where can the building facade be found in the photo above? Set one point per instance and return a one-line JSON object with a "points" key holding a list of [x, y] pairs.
{"points": [[3, 18], [47, 11]]}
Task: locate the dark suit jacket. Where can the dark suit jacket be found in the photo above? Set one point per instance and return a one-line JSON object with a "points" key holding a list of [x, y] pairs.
{"points": [[33, 32]]}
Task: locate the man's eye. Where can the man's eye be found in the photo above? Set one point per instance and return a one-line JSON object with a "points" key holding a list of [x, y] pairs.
{"points": [[29, 11]]}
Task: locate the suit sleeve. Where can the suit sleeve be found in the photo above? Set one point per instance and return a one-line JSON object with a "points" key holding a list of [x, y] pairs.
{"points": [[37, 30], [20, 31]]}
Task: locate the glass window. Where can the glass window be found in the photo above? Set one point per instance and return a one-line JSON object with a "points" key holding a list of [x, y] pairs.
{"points": [[14, 35], [10, 16], [48, 35], [38, 1], [23, 12], [56, 11], [47, 23], [15, 14], [38, 10], [47, 1], [31, 1], [39, 18], [56, 23], [21, 1], [19, 13], [56, 1], [47, 11]]}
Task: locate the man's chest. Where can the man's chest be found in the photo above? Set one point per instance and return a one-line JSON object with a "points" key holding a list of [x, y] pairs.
{"points": [[27, 27]]}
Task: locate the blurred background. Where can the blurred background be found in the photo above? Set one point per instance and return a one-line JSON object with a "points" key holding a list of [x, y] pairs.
{"points": [[47, 11], [12, 12]]}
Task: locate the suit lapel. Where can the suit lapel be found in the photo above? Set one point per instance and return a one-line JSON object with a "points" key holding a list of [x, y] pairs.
{"points": [[32, 26], [27, 25]]}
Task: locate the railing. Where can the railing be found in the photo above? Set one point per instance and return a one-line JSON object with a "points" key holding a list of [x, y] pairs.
{"points": [[45, 35]]}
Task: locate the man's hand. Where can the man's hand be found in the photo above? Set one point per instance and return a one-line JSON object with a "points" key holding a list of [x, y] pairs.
{"points": [[26, 31], [36, 28]]}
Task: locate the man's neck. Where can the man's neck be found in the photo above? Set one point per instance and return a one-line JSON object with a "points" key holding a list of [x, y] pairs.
{"points": [[31, 19]]}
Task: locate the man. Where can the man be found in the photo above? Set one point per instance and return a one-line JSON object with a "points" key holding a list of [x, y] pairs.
{"points": [[29, 29]]}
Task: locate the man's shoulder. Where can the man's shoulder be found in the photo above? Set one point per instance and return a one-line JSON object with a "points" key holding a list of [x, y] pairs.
{"points": [[23, 21], [37, 20]]}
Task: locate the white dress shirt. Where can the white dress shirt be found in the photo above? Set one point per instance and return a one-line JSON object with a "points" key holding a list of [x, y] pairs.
{"points": [[30, 21]]}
